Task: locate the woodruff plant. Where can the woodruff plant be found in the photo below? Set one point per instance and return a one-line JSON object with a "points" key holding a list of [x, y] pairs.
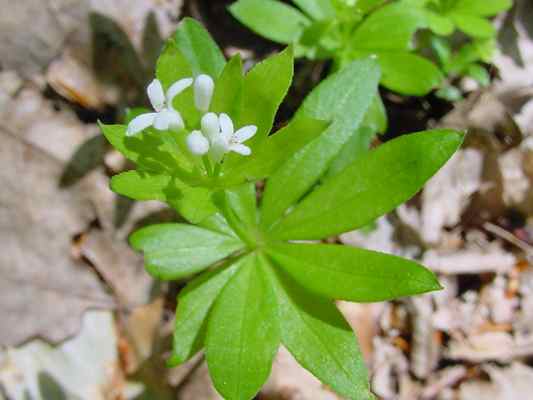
{"points": [[345, 30], [257, 282]]}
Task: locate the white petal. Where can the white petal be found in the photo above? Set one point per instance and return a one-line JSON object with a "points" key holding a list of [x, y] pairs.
{"points": [[226, 126], [176, 88], [140, 123], [245, 133], [175, 120], [197, 143], [219, 147], [210, 126], [156, 95], [203, 92], [162, 120], [241, 149]]}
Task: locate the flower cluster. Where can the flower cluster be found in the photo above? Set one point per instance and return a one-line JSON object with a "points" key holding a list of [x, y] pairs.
{"points": [[216, 136]]}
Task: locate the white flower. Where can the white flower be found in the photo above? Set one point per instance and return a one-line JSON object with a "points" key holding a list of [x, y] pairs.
{"points": [[197, 143], [165, 117], [229, 140], [203, 92]]}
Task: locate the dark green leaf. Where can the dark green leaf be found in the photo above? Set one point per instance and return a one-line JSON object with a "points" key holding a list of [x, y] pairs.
{"points": [[348, 273], [342, 98], [243, 333], [173, 251], [270, 18], [317, 335], [372, 186], [194, 303]]}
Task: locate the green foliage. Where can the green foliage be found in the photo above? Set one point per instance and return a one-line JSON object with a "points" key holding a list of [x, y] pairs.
{"points": [[348, 30], [251, 287]]}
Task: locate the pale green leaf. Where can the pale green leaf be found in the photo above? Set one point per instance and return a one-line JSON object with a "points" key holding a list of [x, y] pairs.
{"points": [[486, 8], [173, 251]]}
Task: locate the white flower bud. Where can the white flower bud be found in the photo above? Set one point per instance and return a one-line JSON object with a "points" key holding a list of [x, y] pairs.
{"points": [[203, 92], [197, 143]]}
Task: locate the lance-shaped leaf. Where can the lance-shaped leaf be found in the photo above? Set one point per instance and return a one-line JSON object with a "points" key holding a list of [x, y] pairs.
{"points": [[151, 150], [193, 203], [243, 333], [408, 73], [353, 274], [277, 149], [173, 251], [317, 335], [200, 50], [390, 28], [270, 18], [227, 97], [486, 8], [343, 98], [194, 303], [265, 87], [371, 186]]}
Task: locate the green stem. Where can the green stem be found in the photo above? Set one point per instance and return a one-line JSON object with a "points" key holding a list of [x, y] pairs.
{"points": [[207, 165], [233, 221]]}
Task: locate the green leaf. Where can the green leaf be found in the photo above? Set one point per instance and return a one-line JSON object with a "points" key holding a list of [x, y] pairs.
{"points": [[473, 25], [174, 251], [193, 203], [194, 303], [153, 151], [317, 335], [389, 28], [372, 186], [479, 73], [342, 98], [439, 24], [408, 73], [317, 9], [277, 149], [227, 97], [243, 333], [140, 185], [197, 46], [353, 274], [270, 18], [355, 147], [486, 8], [243, 202], [265, 87], [376, 116], [172, 65]]}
